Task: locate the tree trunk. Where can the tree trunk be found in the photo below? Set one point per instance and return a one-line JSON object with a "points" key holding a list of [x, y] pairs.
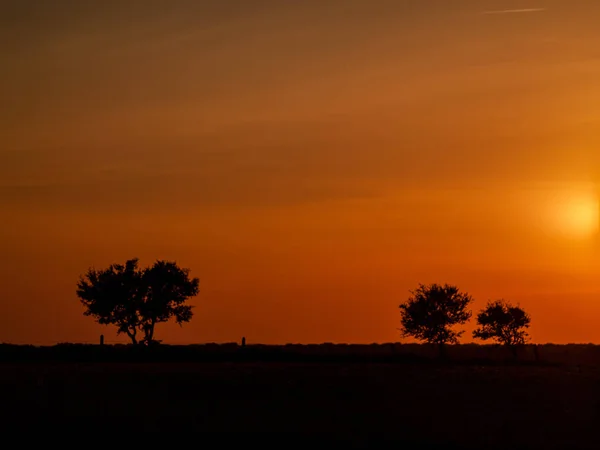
{"points": [[132, 333], [132, 337], [149, 332], [151, 337]]}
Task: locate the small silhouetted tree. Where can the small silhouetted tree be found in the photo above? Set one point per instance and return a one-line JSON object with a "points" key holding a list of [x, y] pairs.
{"points": [[135, 299], [505, 323], [432, 312]]}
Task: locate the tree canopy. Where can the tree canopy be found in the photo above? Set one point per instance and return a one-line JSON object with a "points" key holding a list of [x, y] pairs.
{"points": [[135, 299], [432, 311], [503, 322]]}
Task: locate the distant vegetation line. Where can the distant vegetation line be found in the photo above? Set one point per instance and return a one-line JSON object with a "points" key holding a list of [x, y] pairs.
{"points": [[578, 354]]}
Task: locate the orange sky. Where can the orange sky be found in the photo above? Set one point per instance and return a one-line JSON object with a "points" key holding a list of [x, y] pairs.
{"points": [[311, 162]]}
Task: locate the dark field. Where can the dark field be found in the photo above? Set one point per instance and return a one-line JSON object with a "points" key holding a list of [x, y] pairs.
{"points": [[444, 405]]}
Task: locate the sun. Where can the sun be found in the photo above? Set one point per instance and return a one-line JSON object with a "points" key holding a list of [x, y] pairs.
{"points": [[575, 214]]}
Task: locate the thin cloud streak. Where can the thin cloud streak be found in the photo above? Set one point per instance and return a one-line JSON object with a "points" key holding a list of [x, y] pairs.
{"points": [[516, 11]]}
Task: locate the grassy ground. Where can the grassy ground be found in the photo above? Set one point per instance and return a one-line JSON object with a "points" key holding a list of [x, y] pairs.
{"points": [[461, 406]]}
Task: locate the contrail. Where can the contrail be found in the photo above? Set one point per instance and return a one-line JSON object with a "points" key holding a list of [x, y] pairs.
{"points": [[515, 11]]}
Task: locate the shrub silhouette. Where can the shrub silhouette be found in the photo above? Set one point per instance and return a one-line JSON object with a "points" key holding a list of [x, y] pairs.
{"points": [[504, 323], [431, 313], [135, 300]]}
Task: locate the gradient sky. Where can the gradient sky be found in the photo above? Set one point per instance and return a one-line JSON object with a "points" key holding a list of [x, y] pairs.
{"points": [[311, 161]]}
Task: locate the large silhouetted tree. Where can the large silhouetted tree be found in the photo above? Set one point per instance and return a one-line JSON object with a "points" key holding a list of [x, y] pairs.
{"points": [[503, 322], [432, 312], [135, 299]]}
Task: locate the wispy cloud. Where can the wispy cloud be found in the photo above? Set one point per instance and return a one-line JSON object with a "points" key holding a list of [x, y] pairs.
{"points": [[515, 11]]}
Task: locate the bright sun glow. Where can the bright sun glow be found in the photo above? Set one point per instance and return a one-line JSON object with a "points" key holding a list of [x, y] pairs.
{"points": [[575, 214]]}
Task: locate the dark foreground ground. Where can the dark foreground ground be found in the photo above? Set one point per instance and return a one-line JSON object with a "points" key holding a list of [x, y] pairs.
{"points": [[461, 406]]}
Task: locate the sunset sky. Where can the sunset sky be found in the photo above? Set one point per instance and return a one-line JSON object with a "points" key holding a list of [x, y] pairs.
{"points": [[310, 161]]}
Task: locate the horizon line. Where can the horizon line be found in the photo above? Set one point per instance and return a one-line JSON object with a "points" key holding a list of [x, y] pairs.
{"points": [[109, 343]]}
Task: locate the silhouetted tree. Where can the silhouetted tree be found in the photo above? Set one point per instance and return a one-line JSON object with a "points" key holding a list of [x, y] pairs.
{"points": [[431, 313], [135, 299], [504, 323]]}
